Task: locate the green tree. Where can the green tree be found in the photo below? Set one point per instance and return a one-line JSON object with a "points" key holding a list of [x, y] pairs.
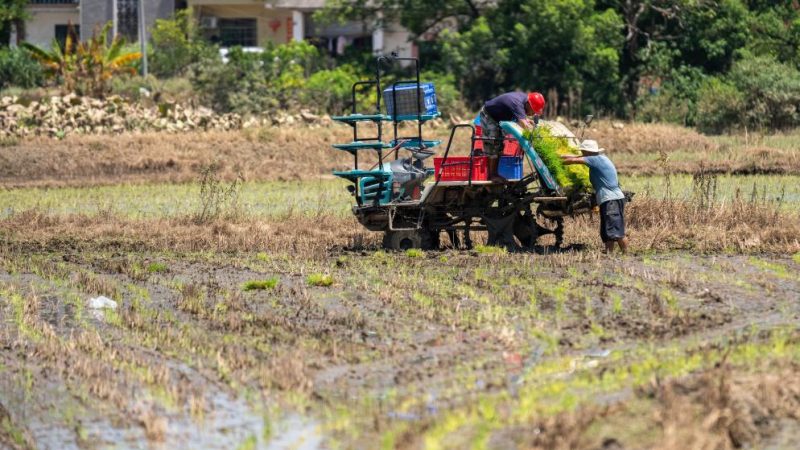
{"points": [[418, 16], [12, 12], [175, 43], [476, 59], [771, 91]]}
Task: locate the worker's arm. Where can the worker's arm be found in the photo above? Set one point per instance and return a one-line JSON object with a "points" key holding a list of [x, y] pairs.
{"points": [[572, 159]]}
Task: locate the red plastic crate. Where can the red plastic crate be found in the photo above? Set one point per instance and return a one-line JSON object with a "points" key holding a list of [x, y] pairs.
{"points": [[511, 146], [457, 168], [478, 133]]}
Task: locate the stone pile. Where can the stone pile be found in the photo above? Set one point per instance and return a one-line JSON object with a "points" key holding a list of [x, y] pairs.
{"points": [[59, 116]]}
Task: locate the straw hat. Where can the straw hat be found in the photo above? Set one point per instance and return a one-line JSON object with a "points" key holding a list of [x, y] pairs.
{"points": [[590, 146]]}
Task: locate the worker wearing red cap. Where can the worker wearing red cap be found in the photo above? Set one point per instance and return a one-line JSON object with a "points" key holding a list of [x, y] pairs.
{"points": [[513, 107]]}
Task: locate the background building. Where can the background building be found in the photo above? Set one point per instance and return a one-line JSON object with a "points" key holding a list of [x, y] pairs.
{"points": [[248, 23]]}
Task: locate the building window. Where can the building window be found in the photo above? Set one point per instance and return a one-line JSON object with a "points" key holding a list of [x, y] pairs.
{"points": [[128, 19], [233, 32], [61, 32]]}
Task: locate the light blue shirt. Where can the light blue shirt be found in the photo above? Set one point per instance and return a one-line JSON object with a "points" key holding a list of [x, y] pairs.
{"points": [[603, 176]]}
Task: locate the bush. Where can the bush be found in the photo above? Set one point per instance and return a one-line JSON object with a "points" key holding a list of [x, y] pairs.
{"points": [[331, 90], [173, 89], [251, 83], [771, 92], [235, 86], [675, 102], [18, 68], [720, 106], [176, 44]]}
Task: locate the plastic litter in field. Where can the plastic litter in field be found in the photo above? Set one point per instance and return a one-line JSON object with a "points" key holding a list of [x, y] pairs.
{"points": [[598, 353], [102, 302]]}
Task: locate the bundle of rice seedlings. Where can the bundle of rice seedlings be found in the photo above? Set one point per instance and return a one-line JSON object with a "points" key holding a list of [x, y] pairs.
{"points": [[572, 178]]}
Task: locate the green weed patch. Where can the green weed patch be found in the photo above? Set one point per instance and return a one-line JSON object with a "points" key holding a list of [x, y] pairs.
{"points": [[490, 250], [318, 279], [269, 283], [156, 267]]}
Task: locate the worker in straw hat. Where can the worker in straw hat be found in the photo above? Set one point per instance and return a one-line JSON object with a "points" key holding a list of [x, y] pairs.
{"points": [[603, 176], [511, 107]]}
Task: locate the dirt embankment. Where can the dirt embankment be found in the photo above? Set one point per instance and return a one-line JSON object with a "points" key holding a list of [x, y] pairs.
{"points": [[305, 153]]}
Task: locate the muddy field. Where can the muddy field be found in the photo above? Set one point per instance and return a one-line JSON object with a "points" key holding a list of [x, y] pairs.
{"points": [[270, 319]]}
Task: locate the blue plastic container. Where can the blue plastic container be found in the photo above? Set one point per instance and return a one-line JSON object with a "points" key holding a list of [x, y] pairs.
{"points": [[406, 95], [510, 167]]}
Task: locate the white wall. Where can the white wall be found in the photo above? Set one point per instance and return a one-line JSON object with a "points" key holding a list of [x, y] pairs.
{"points": [[267, 19], [395, 39], [40, 28]]}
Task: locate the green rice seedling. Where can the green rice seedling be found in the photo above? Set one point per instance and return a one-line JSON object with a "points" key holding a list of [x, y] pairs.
{"points": [[248, 444], [616, 303], [490, 250], [572, 177], [318, 279], [156, 267], [414, 253], [252, 285], [796, 257]]}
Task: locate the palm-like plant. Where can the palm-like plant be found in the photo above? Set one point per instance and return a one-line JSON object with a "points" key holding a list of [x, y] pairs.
{"points": [[58, 61], [86, 66]]}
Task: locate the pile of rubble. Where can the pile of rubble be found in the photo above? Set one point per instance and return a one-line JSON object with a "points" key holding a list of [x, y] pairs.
{"points": [[59, 116]]}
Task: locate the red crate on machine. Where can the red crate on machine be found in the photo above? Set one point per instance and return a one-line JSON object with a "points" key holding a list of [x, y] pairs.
{"points": [[457, 168], [511, 146]]}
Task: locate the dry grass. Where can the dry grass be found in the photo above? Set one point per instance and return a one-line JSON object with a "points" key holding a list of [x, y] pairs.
{"points": [[653, 224], [720, 409], [266, 154], [313, 235], [649, 138], [305, 153]]}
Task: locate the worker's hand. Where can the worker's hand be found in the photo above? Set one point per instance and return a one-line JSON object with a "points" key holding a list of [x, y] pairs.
{"points": [[526, 124]]}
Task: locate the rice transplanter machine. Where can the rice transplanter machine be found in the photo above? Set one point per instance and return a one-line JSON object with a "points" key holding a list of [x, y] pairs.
{"points": [[412, 204]]}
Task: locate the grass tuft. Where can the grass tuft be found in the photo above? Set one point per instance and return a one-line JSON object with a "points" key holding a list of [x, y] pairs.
{"points": [[490, 250], [414, 253], [156, 267], [796, 257], [318, 279], [262, 285]]}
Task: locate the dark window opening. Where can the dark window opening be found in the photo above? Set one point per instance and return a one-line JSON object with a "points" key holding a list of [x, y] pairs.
{"points": [[362, 43], [74, 31], [128, 19], [242, 32]]}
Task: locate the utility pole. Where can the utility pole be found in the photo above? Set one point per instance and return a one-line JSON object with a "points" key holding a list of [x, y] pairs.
{"points": [[143, 38]]}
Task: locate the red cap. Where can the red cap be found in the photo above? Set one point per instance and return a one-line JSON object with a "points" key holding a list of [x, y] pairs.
{"points": [[536, 102]]}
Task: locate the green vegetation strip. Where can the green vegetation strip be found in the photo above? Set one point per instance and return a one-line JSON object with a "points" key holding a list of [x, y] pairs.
{"points": [[566, 383]]}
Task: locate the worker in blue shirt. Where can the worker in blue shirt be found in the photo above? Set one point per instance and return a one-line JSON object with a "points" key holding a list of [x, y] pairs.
{"points": [[603, 176], [512, 107]]}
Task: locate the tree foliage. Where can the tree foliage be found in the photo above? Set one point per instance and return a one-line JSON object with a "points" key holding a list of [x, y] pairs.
{"points": [[652, 59], [11, 12]]}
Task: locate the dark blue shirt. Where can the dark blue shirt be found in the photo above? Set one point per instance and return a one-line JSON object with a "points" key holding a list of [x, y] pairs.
{"points": [[509, 106], [603, 176]]}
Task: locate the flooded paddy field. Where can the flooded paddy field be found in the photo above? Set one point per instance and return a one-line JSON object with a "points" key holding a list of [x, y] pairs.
{"points": [[286, 326], [139, 311], [444, 350]]}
